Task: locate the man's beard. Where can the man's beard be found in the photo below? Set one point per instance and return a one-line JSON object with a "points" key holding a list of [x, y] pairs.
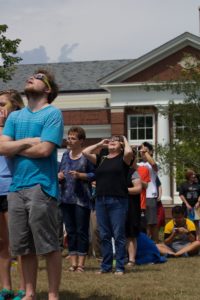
{"points": [[30, 92]]}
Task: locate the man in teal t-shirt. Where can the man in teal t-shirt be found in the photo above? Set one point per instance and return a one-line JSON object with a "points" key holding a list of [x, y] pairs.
{"points": [[33, 135]]}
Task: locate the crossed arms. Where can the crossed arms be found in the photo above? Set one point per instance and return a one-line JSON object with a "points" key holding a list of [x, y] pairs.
{"points": [[28, 147]]}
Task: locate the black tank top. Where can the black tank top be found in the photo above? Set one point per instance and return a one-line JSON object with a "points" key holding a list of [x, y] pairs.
{"points": [[111, 176]]}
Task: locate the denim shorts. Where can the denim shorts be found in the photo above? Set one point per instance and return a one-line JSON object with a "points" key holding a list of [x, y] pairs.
{"points": [[3, 204], [33, 222]]}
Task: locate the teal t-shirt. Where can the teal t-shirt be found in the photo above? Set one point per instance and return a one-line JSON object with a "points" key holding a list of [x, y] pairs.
{"points": [[47, 124]]}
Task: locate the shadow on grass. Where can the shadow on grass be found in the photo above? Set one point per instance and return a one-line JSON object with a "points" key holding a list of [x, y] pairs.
{"points": [[73, 296]]}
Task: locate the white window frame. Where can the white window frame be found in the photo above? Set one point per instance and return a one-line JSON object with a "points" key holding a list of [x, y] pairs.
{"points": [[175, 127], [138, 142]]}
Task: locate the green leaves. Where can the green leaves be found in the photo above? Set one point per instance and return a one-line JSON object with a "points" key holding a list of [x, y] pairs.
{"points": [[8, 50], [183, 151]]}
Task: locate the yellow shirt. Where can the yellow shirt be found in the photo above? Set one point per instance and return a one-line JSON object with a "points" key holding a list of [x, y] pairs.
{"points": [[170, 226]]}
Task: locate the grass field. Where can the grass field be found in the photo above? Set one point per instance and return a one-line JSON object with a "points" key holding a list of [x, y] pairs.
{"points": [[177, 279]]}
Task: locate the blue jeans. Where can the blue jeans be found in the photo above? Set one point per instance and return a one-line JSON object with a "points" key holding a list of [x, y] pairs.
{"points": [[76, 219], [111, 215]]}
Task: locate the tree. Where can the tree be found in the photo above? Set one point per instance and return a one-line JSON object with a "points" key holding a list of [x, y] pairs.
{"points": [[8, 51], [183, 151]]}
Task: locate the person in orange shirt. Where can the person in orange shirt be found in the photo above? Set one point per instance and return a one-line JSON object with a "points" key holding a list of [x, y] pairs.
{"points": [[145, 178]]}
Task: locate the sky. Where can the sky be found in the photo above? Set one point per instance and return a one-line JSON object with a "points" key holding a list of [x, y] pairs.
{"points": [[87, 30]]}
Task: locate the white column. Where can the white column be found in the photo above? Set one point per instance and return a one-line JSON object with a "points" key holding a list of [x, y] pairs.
{"points": [[163, 138]]}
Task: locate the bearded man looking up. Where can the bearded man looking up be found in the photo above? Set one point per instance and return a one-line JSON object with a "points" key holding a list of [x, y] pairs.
{"points": [[32, 136]]}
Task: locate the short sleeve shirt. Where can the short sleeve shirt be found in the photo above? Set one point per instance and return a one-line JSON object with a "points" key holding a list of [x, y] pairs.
{"points": [[145, 176], [191, 192], [170, 226], [151, 191], [180, 240], [47, 124], [76, 191]]}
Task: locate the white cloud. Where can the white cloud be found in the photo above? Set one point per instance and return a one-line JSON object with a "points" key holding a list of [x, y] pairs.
{"points": [[104, 29]]}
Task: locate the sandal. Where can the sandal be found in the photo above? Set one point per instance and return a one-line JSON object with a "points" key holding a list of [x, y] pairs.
{"points": [[130, 263], [80, 269], [72, 268]]}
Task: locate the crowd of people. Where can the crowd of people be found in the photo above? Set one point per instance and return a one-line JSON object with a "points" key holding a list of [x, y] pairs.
{"points": [[107, 195]]}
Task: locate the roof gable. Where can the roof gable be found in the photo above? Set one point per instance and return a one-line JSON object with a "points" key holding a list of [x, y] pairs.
{"points": [[156, 64], [166, 69]]}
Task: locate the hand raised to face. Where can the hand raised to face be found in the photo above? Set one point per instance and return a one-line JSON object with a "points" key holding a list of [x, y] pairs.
{"points": [[3, 116]]}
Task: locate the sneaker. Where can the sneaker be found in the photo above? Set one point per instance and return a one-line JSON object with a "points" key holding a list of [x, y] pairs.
{"points": [[6, 294], [19, 295], [119, 273]]}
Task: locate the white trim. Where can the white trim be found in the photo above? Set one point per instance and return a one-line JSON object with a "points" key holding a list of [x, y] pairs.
{"points": [[152, 57], [141, 84], [117, 110], [82, 101], [138, 142]]}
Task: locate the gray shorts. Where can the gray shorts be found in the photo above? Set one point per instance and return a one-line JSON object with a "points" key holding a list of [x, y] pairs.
{"points": [[178, 245], [32, 222], [151, 211]]}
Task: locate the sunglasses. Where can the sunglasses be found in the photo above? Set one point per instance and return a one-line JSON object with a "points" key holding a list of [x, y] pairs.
{"points": [[114, 139], [43, 78]]}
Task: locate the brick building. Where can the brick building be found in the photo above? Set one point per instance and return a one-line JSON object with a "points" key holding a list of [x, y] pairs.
{"points": [[110, 97]]}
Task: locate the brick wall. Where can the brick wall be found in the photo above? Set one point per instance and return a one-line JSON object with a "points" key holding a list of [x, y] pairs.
{"points": [[86, 117], [118, 123], [162, 70]]}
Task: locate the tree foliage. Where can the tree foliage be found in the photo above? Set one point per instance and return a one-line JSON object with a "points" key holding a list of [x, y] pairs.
{"points": [[183, 151], [8, 51]]}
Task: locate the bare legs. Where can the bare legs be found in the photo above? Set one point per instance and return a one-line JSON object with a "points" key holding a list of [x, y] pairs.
{"points": [[152, 231], [29, 267], [74, 260], [54, 266], [81, 261], [77, 262], [164, 249], [5, 259], [191, 248], [22, 281], [132, 249]]}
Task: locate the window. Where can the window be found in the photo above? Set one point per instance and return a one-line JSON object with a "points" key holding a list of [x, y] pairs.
{"points": [[180, 126], [187, 124], [140, 128]]}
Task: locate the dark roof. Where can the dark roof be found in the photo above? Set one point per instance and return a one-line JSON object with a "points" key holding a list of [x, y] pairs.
{"points": [[70, 76]]}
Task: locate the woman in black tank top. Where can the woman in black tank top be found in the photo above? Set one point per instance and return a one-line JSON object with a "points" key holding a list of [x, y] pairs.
{"points": [[111, 198]]}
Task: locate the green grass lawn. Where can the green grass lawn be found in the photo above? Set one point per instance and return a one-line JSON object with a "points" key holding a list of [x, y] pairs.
{"points": [[176, 279]]}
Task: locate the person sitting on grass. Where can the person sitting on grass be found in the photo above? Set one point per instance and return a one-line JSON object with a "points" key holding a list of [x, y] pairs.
{"points": [[179, 235]]}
